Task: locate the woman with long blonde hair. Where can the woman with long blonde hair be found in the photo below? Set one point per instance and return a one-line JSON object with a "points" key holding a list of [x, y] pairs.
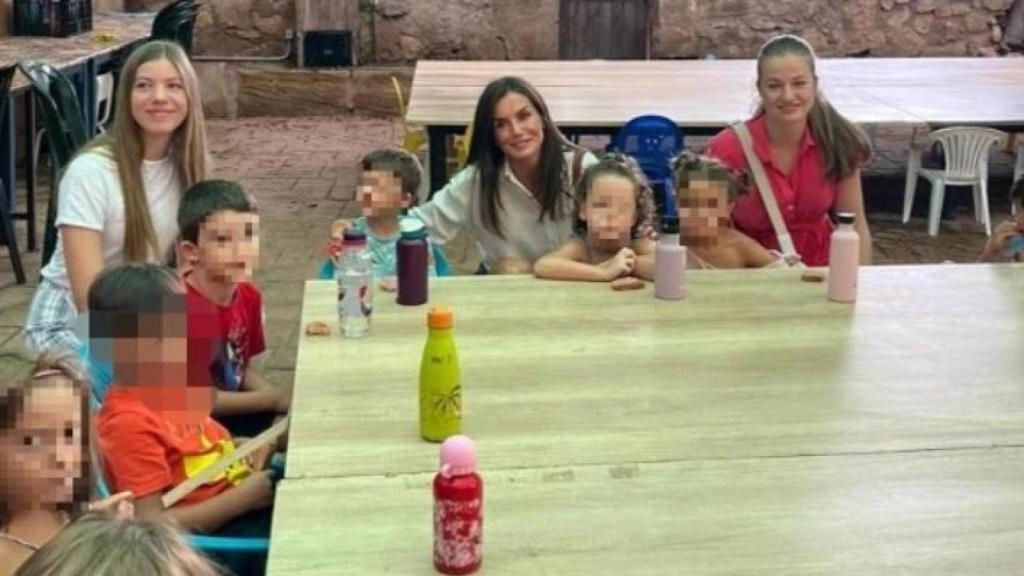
{"points": [[118, 199]]}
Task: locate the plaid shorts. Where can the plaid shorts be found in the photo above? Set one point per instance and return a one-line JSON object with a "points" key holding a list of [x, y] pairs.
{"points": [[52, 319]]}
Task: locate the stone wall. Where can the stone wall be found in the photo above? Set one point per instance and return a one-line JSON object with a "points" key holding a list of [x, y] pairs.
{"points": [[407, 30], [736, 28]]}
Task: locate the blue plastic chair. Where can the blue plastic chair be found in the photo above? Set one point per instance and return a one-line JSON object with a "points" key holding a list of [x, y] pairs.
{"points": [[207, 544], [653, 141]]}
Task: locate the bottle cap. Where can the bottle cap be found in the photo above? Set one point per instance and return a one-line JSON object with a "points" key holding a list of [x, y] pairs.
{"points": [[440, 318], [846, 217], [458, 456], [354, 236], [669, 224], [412, 229]]}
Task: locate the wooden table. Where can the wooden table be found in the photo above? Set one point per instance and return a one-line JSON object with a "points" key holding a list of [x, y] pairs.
{"points": [[754, 427], [703, 96], [82, 57]]}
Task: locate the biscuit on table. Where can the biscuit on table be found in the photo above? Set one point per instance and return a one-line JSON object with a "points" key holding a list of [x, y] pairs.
{"points": [[318, 329], [814, 275], [627, 283]]}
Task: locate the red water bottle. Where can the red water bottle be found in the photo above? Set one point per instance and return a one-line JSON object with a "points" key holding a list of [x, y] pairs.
{"points": [[458, 509]]}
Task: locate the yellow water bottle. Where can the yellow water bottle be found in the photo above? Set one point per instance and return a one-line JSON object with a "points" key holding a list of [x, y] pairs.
{"points": [[440, 380]]}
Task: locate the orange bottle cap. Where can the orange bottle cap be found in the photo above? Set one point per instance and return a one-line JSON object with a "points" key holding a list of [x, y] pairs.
{"points": [[440, 318]]}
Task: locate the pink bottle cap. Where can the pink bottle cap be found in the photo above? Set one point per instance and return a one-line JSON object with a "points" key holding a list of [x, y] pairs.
{"points": [[458, 456]]}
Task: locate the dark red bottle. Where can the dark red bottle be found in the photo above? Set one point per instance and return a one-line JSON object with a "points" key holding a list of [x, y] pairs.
{"points": [[458, 509], [412, 263]]}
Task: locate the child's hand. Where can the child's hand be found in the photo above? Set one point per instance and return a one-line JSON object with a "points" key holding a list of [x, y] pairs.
{"points": [[338, 228], [282, 399], [622, 264], [258, 490], [121, 505], [259, 459], [1000, 237]]}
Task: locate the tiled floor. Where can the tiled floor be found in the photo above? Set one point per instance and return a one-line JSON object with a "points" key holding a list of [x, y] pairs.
{"points": [[301, 171]]}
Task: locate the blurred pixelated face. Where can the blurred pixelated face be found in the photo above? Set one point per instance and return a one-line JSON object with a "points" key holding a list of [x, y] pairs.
{"points": [[228, 247], [43, 456], [610, 210], [518, 128], [787, 87], [380, 193], [159, 101], [156, 362], [703, 208]]}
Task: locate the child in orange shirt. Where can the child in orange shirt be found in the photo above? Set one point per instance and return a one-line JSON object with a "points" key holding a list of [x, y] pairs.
{"points": [[154, 429]]}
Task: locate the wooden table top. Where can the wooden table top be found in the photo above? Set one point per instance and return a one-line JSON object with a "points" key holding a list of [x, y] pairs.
{"points": [[754, 426], [931, 356], [123, 28], [709, 93], [925, 513]]}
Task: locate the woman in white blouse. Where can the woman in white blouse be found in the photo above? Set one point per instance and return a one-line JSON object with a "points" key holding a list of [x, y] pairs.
{"points": [[515, 193]]}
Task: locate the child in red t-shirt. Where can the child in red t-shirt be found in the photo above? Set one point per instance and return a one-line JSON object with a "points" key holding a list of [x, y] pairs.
{"points": [[219, 246], [154, 429]]}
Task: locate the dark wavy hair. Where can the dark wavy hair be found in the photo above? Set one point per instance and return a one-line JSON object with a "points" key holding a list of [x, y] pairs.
{"points": [[617, 165], [488, 158]]}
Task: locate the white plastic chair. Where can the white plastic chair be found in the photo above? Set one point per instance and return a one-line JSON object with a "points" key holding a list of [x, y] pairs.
{"points": [[966, 151], [1018, 173], [104, 104]]}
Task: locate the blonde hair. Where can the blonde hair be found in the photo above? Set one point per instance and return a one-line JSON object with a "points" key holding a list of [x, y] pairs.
{"points": [[125, 145], [844, 146], [100, 544], [623, 166], [52, 369]]}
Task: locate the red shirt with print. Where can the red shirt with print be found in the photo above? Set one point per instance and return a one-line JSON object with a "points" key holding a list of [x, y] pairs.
{"points": [[223, 339]]}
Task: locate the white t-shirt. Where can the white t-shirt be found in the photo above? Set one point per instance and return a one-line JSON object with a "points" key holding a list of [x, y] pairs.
{"points": [[90, 197], [457, 206]]}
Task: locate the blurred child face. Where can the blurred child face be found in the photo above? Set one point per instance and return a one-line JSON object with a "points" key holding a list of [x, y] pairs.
{"points": [[380, 193], [703, 210], [155, 363], [610, 210], [42, 457], [228, 247]]}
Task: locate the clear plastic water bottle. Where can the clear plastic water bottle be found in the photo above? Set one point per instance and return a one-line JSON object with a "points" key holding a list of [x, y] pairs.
{"points": [[355, 286]]}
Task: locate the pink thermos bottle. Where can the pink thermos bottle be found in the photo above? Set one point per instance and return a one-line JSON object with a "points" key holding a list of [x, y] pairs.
{"points": [[843, 260], [669, 262]]}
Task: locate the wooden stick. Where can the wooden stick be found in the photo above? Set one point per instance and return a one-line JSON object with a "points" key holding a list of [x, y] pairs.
{"points": [[187, 487]]}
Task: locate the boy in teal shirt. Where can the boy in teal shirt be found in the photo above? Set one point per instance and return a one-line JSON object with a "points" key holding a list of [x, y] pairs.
{"points": [[388, 181]]}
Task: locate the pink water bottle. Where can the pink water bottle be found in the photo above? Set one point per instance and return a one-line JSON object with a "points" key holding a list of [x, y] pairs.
{"points": [[669, 262], [843, 260], [458, 509]]}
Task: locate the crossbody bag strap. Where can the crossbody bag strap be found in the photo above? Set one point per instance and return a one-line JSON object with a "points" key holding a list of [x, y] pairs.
{"points": [[764, 187]]}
